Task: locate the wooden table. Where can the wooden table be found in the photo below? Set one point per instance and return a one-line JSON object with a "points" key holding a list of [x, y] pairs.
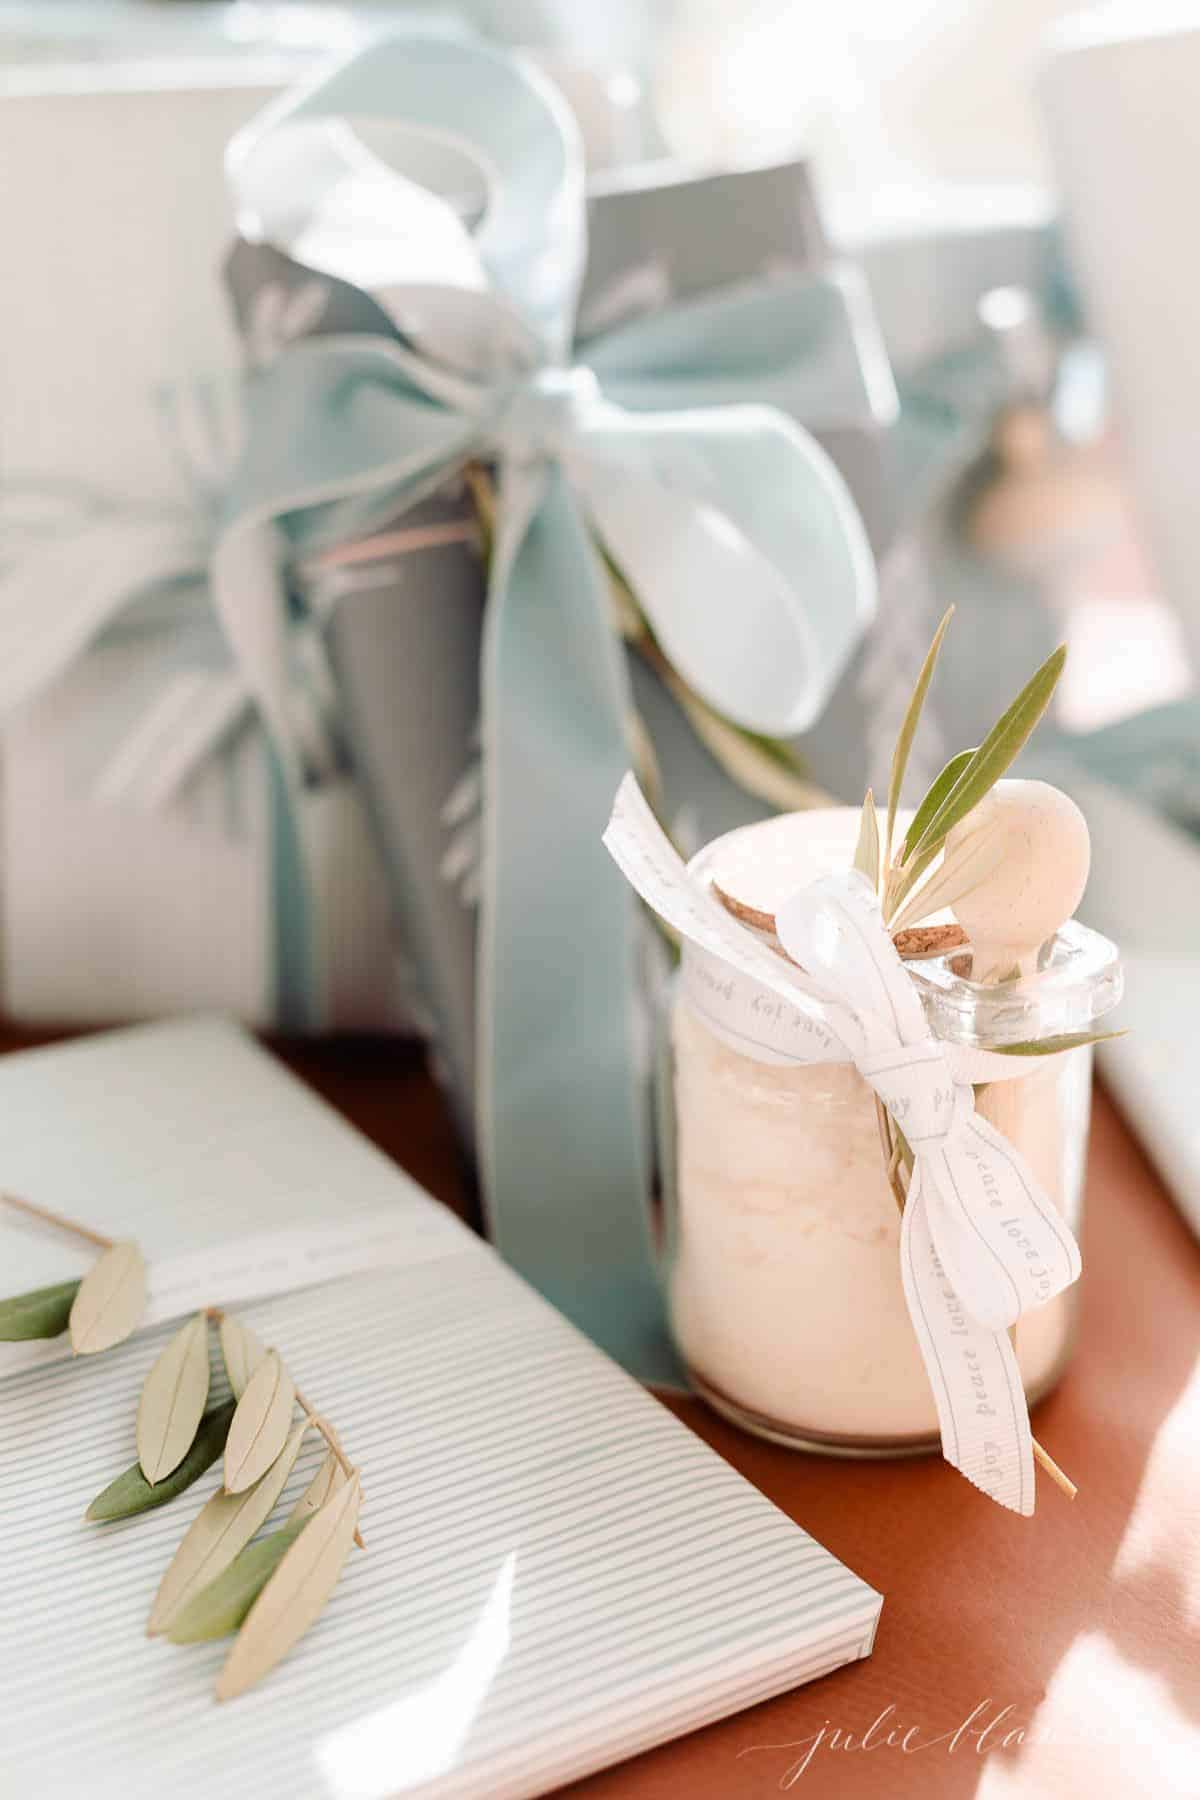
{"points": [[1084, 1622]]}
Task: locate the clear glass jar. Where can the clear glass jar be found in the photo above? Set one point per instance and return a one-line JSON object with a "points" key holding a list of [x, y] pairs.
{"points": [[784, 1279]]}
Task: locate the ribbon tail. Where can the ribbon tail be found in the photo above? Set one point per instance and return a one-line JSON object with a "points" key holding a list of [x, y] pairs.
{"points": [[561, 1099], [248, 592], [744, 548], [1004, 1245], [977, 1388], [296, 1003], [195, 712], [58, 599]]}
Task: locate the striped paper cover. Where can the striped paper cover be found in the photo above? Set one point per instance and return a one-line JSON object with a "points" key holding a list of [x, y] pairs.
{"points": [[557, 1572]]}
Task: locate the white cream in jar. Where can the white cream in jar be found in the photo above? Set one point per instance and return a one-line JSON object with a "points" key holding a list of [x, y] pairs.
{"points": [[785, 1288]]}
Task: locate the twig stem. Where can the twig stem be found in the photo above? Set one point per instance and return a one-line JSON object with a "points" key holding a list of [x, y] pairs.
{"points": [[1053, 1471], [315, 1419], [331, 1438], [64, 1224]]}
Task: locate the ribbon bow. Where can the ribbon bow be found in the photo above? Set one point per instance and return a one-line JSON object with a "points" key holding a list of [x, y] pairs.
{"points": [[730, 525], [980, 1243], [79, 565]]}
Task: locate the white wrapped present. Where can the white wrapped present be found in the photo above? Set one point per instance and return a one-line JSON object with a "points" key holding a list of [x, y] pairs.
{"points": [[150, 863], [113, 905]]}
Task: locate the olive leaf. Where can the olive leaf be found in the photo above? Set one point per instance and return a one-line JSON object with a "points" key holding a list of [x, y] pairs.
{"points": [[131, 1493], [223, 1526], [172, 1401], [327, 1480], [294, 1596], [1050, 1046], [972, 862], [41, 1313], [908, 729], [979, 775], [110, 1301], [220, 1607], [241, 1352], [644, 757], [930, 804], [260, 1424], [764, 767], [866, 854], [769, 768]]}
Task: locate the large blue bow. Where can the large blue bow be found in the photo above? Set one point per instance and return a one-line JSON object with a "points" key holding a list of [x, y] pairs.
{"points": [[729, 524]]}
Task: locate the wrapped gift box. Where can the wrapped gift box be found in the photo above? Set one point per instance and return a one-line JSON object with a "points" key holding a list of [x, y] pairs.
{"points": [[113, 296], [408, 622], [113, 301], [116, 909]]}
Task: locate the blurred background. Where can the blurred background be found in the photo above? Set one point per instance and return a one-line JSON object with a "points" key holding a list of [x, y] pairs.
{"points": [[992, 204], [878, 92], [966, 156]]}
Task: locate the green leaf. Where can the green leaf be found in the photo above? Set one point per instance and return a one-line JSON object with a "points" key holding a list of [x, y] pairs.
{"points": [[221, 1607], [964, 868], [221, 1529], [903, 880], [260, 1425], [777, 750], [995, 755], [241, 1351], [173, 1400], [293, 1599], [41, 1313], [757, 765], [1050, 1046], [327, 1481], [131, 1493], [110, 1301], [933, 799], [866, 855], [908, 729]]}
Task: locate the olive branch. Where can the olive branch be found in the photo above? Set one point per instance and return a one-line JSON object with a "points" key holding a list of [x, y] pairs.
{"points": [[223, 1577], [966, 780], [768, 768]]}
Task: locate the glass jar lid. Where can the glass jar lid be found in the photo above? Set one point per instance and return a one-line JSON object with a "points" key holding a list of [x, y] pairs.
{"points": [[1078, 980]]}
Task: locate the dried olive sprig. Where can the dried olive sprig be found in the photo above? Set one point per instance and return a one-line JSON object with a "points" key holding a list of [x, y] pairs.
{"points": [[223, 1577], [99, 1310]]}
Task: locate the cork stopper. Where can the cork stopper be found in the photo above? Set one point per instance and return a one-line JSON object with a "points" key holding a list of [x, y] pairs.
{"points": [[752, 872]]}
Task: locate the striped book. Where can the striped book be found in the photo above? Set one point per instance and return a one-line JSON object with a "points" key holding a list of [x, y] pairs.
{"points": [[557, 1573]]}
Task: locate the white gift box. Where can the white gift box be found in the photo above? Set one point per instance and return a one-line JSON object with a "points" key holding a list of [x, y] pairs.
{"points": [[507, 1631], [115, 912], [115, 218], [115, 234], [114, 237]]}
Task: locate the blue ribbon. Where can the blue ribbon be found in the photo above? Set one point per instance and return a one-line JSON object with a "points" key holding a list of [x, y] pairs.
{"points": [[84, 569], [730, 525]]}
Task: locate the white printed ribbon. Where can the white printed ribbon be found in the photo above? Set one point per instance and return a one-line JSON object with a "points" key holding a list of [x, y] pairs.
{"points": [[980, 1243]]}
